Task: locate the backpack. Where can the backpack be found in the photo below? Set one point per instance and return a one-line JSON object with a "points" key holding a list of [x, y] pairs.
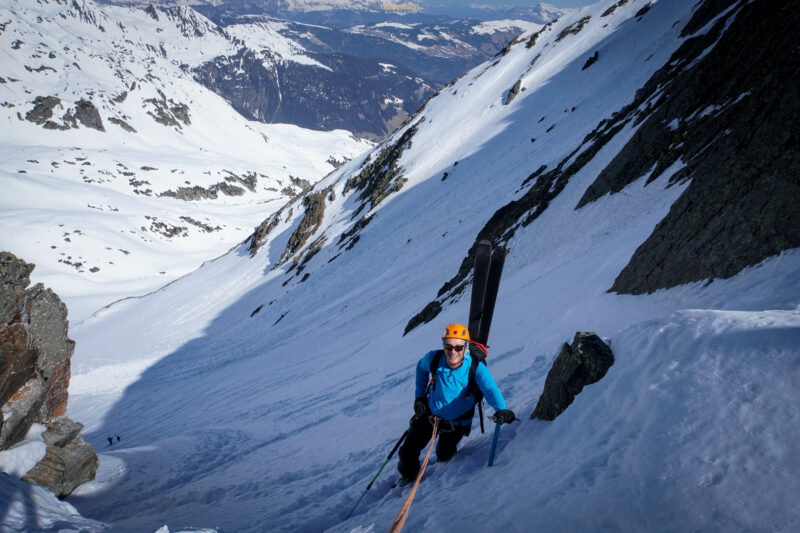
{"points": [[478, 353]]}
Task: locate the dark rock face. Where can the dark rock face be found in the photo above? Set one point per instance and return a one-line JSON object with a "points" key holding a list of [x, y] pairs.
{"points": [[42, 109], [151, 10], [730, 120], [36, 351], [351, 94], [86, 113], [427, 314], [35, 356], [583, 363], [314, 204], [513, 92]]}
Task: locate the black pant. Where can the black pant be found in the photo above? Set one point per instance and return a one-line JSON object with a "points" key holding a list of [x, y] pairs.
{"points": [[419, 435]]}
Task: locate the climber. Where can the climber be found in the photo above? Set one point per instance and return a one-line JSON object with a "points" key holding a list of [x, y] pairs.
{"points": [[458, 380]]}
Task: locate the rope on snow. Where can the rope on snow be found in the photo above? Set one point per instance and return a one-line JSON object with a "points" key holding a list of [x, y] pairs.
{"points": [[400, 519]]}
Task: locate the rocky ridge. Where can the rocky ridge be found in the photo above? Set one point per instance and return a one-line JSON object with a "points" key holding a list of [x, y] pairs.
{"points": [[34, 379]]}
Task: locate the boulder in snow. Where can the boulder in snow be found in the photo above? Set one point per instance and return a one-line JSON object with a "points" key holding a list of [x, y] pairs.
{"points": [[583, 363]]}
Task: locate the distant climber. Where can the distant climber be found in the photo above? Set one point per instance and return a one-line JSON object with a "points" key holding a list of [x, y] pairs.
{"points": [[450, 397], [119, 438], [110, 441]]}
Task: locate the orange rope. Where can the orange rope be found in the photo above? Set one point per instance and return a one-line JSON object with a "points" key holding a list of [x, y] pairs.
{"points": [[400, 519]]}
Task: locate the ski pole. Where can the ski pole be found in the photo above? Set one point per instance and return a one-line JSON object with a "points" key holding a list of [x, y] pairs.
{"points": [[494, 444], [391, 453]]}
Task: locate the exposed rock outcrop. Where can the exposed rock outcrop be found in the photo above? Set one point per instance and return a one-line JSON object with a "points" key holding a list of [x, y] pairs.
{"points": [[382, 176], [35, 356], [314, 204], [69, 461], [376, 181], [583, 363], [84, 112], [573, 29], [196, 192], [263, 230], [42, 109], [122, 124], [227, 187], [168, 112], [87, 114], [513, 92], [727, 120]]}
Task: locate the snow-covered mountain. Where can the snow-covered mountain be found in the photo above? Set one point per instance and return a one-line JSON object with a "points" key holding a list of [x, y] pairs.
{"points": [[313, 9], [400, 59], [121, 172], [327, 5], [639, 160], [541, 13], [327, 90], [156, 173], [437, 51]]}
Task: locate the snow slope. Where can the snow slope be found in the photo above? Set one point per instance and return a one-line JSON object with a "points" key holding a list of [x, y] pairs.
{"points": [[88, 206], [251, 397], [26, 507]]}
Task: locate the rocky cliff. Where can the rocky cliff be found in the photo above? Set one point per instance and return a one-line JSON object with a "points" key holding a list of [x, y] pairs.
{"points": [[35, 356]]}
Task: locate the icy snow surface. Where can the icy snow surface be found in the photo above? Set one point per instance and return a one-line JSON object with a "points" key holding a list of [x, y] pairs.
{"points": [[277, 419], [28, 508], [24, 455]]}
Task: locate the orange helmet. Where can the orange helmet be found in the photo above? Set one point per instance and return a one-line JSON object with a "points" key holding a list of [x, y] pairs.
{"points": [[456, 331]]}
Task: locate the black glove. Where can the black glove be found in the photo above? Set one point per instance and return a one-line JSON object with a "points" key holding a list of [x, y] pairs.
{"points": [[504, 416], [420, 407]]}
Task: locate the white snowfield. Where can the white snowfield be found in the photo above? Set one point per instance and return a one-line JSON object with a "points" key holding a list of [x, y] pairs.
{"points": [[248, 400], [85, 205]]}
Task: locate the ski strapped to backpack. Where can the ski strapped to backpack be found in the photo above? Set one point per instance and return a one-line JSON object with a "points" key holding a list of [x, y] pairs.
{"points": [[485, 284]]}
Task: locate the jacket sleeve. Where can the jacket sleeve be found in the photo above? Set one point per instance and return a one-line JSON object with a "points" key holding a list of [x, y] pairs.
{"points": [[489, 388], [423, 372]]}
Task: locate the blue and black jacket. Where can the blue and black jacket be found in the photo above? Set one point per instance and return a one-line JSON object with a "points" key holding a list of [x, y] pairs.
{"points": [[449, 397]]}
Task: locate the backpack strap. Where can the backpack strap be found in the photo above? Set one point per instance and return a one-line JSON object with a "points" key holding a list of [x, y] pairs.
{"points": [[472, 384], [479, 357], [435, 360]]}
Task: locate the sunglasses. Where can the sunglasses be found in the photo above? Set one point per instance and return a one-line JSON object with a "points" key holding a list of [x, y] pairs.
{"points": [[458, 348]]}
